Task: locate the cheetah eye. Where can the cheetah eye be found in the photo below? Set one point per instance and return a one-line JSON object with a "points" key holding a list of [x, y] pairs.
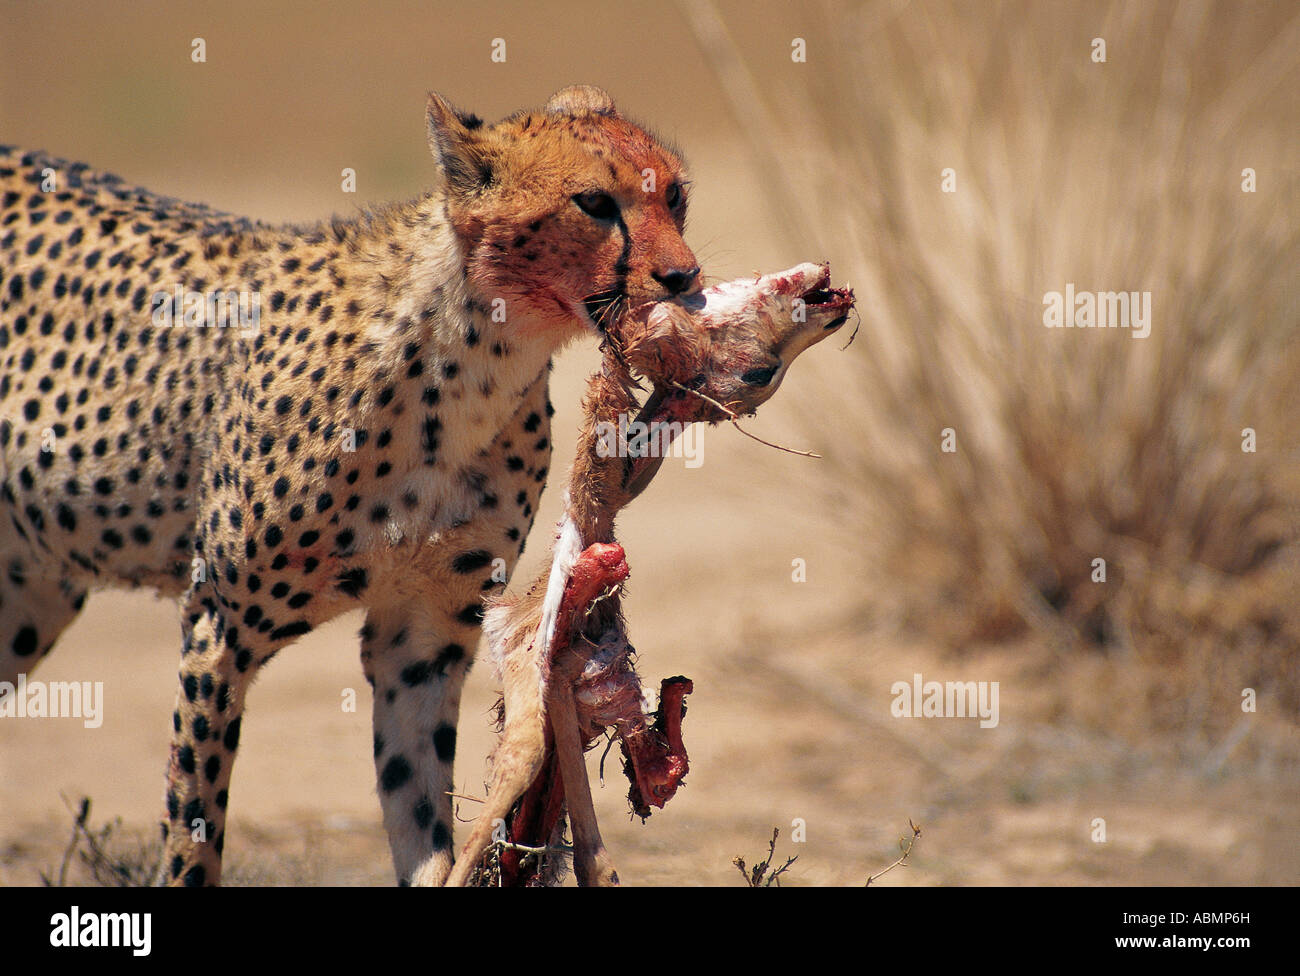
{"points": [[673, 196], [759, 377], [596, 204]]}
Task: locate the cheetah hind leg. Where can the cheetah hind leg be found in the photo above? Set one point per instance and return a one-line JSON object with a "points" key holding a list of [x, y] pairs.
{"points": [[218, 663]]}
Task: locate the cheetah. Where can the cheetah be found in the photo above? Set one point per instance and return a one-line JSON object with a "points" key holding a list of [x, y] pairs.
{"points": [[372, 429]]}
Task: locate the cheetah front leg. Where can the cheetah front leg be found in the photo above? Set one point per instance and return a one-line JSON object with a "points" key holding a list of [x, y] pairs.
{"points": [[416, 664], [418, 644]]}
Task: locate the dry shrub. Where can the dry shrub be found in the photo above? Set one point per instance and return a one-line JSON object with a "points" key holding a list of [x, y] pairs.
{"points": [[107, 856], [1072, 444]]}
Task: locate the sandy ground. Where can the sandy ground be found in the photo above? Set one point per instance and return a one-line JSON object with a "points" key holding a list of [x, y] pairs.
{"points": [[790, 723]]}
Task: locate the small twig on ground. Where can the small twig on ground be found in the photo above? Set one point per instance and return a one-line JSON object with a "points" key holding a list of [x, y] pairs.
{"points": [[107, 867], [916, 832], [761, 874], [735, 422], [78, 827]]}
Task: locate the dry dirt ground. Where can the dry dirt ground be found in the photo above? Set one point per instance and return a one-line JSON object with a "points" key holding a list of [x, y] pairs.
{"points": [[790, 721]]}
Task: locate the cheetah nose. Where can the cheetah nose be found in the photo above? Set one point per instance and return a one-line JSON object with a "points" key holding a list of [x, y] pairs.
{"points": [[677, 280]]}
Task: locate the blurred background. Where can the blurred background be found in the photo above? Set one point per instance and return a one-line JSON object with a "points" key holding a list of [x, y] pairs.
{"points": [[797, 591]]}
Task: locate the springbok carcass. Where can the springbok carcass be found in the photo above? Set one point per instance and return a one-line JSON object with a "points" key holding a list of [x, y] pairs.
{"points": [[561, 647]]}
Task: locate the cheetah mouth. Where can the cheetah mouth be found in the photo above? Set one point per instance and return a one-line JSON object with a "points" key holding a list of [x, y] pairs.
{"points": [[602, 307]]}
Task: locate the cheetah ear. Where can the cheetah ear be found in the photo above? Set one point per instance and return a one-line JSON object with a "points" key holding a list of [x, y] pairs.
{"points": [[453, 140], [582, 100]]}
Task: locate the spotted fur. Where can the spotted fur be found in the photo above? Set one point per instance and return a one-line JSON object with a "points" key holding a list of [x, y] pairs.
{"points": [[380, 439]]}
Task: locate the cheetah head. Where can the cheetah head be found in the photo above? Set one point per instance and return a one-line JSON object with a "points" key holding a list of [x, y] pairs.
{"points": [[571, 213]]}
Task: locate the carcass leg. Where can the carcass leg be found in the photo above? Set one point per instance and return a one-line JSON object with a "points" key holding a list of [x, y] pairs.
{"points": [[591, 862], [517, 761], [536, 632]]}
